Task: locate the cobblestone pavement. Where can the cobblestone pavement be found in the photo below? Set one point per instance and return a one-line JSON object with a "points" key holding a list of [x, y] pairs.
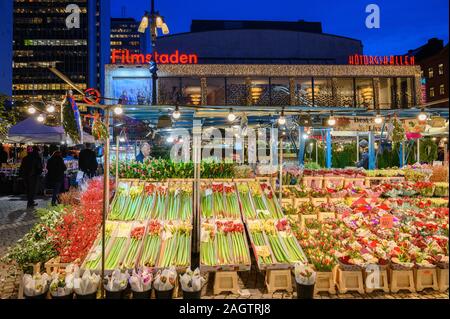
{"points": [[15, 221]]}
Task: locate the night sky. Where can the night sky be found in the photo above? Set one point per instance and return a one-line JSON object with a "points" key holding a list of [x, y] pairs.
{"points": [[405, 24]]}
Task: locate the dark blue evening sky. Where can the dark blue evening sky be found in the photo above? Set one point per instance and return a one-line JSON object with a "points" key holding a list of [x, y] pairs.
{"points": [[405, 24]]}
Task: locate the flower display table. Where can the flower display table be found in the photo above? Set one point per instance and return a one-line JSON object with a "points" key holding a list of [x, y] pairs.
{"points": [[226, 281], [442, 279], [426, 278], [279, 280], [325, 282], [349, 281], [376, 280], [402, 280]]}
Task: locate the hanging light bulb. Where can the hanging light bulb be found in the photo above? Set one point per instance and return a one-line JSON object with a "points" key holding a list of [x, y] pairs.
{"points": [[282, 119], [159, 21], [378, 119], [231, 116], [31, 110], [422, 117], [50, 108], [40, 118], [331, 120], [305, 136], [176, 114], [165, 29], [144, 23], [118, 110], [170, 139]]}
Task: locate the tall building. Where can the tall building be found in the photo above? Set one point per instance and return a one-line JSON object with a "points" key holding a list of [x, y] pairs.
{"points": [[42, 38], [433, 60], [125, 35], [6, 15]]}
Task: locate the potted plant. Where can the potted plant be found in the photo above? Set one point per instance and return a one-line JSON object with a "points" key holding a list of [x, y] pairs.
{"points": [[116, 284], [192, 283], [165, 283], [35, 286], [305, 278], [141, 283]]}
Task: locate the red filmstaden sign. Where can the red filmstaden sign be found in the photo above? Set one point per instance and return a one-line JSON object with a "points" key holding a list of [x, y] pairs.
{"points": [[125, 57], [358, 59]]}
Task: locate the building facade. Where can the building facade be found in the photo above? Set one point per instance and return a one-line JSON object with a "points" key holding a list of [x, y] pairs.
{"points": [[125, 35], [6, 32], [42, 38]]}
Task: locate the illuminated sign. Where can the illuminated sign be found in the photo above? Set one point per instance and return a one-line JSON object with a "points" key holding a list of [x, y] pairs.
{"points": [[358, 59], [125, 57]]}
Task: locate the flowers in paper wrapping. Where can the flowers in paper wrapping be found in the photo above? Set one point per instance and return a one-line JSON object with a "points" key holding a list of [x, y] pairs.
{"points": [[86, 284], [165, 279], [35, 285], [141, 280], [304, 274], [117, 281], [192, 281], [61, 285]]}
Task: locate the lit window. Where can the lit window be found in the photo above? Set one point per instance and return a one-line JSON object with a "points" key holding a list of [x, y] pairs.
{"points": [[431, 92], [441, 69], [430, 73], [441, 89]]}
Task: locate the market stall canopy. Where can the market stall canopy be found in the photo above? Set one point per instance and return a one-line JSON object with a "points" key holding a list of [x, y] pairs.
{"points": [[31, 131]]}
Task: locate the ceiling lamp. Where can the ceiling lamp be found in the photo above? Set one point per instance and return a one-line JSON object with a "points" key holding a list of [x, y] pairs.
{"points": [[118, 110], [378, 119], [50, 108], [40, 118], [422, 117], [331, 121], [231, 116], [176, 114], [144, 23], [196, 99], [256, 92], [282, 118], [31, 110]]}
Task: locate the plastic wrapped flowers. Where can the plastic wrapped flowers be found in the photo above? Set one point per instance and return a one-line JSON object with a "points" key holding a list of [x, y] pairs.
{"points": [[141, 280], [304, 274], [192, 281], [35, 285], [86, 284], [61, 285], [165, 279], [118, 281]]}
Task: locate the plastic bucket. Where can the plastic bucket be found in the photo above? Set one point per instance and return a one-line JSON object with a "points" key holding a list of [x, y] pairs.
{"points": [[305, 291], [192, 294], [164, 294]]}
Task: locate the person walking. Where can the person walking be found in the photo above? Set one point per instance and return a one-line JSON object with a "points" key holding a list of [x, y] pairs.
{"points": [[3, 155], [55, 174], [30, 171], [87, 161]]}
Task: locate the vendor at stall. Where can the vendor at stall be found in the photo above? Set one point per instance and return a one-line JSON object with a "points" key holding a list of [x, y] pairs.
{"points": [[87, 161], [144, 153]]}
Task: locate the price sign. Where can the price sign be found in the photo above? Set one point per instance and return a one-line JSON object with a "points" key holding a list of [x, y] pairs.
{"points": [[387, 221]]}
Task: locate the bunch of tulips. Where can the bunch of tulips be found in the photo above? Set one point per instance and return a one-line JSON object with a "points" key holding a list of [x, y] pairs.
{"points": [[152, 244], [176, 247]]}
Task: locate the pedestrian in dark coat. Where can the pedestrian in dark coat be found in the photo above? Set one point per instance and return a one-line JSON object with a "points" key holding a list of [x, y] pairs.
{"points": [[30, 171], [55, 174]]}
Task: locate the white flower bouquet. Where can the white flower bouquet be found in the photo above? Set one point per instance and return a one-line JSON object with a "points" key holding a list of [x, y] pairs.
{"points": [[192, 281], [35, 285], [141, 280]]}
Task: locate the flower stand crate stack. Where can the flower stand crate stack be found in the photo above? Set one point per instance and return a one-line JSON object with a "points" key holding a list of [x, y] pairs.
{"points": [[426, 278], [312, 181], [55, 265], [278, 280], [349, 278], [226, 281], [376, 279], [325, 282], [442, 279], [402, 279]]}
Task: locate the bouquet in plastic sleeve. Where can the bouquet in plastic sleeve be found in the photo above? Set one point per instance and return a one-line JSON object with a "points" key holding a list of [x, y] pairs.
{"points": [[165, 279], [35, 285], [118, 281], [192, 281], [141, 280], [304, 274], [61, 285], [86, 284]]}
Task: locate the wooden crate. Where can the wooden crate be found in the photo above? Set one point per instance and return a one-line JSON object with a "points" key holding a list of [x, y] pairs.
{"points": [[226, 281], [299, 201], [355, 181], [333, 181], [426, 278], [442, 279], [349, 281], [303, 218], [325, 215], [319, 201], [55, 265], [383, 281], [279, 280], [286, 202], [312, 181], [402, 280], [325, 282]]}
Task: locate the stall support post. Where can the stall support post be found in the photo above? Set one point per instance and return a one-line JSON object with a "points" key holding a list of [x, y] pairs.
{"points": [[105, 197], [317, 151], [301, 146], [401, 154], [357, 147], [117, 161], [371, 150], [280, 179], [196, 154], [418, 150], [328, 143]]}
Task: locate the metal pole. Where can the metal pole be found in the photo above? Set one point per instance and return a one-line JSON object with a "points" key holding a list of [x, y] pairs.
{"points": [[357, 147], [418, 150], [317, 151], [281, 168], [117, 161], [105, 197]]}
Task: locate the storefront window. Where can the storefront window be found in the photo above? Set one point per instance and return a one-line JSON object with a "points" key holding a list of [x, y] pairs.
{"points": [[405, 93], [280, 93], [215, 91], [236, 91], [304, 92], [168, 90], [387, 93], [344, 92], [191, 93], [323, 92], [364, 93], [260, 91]]}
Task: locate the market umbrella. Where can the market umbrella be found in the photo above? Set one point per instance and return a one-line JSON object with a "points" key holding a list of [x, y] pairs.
{"points": [[32, 131]]}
